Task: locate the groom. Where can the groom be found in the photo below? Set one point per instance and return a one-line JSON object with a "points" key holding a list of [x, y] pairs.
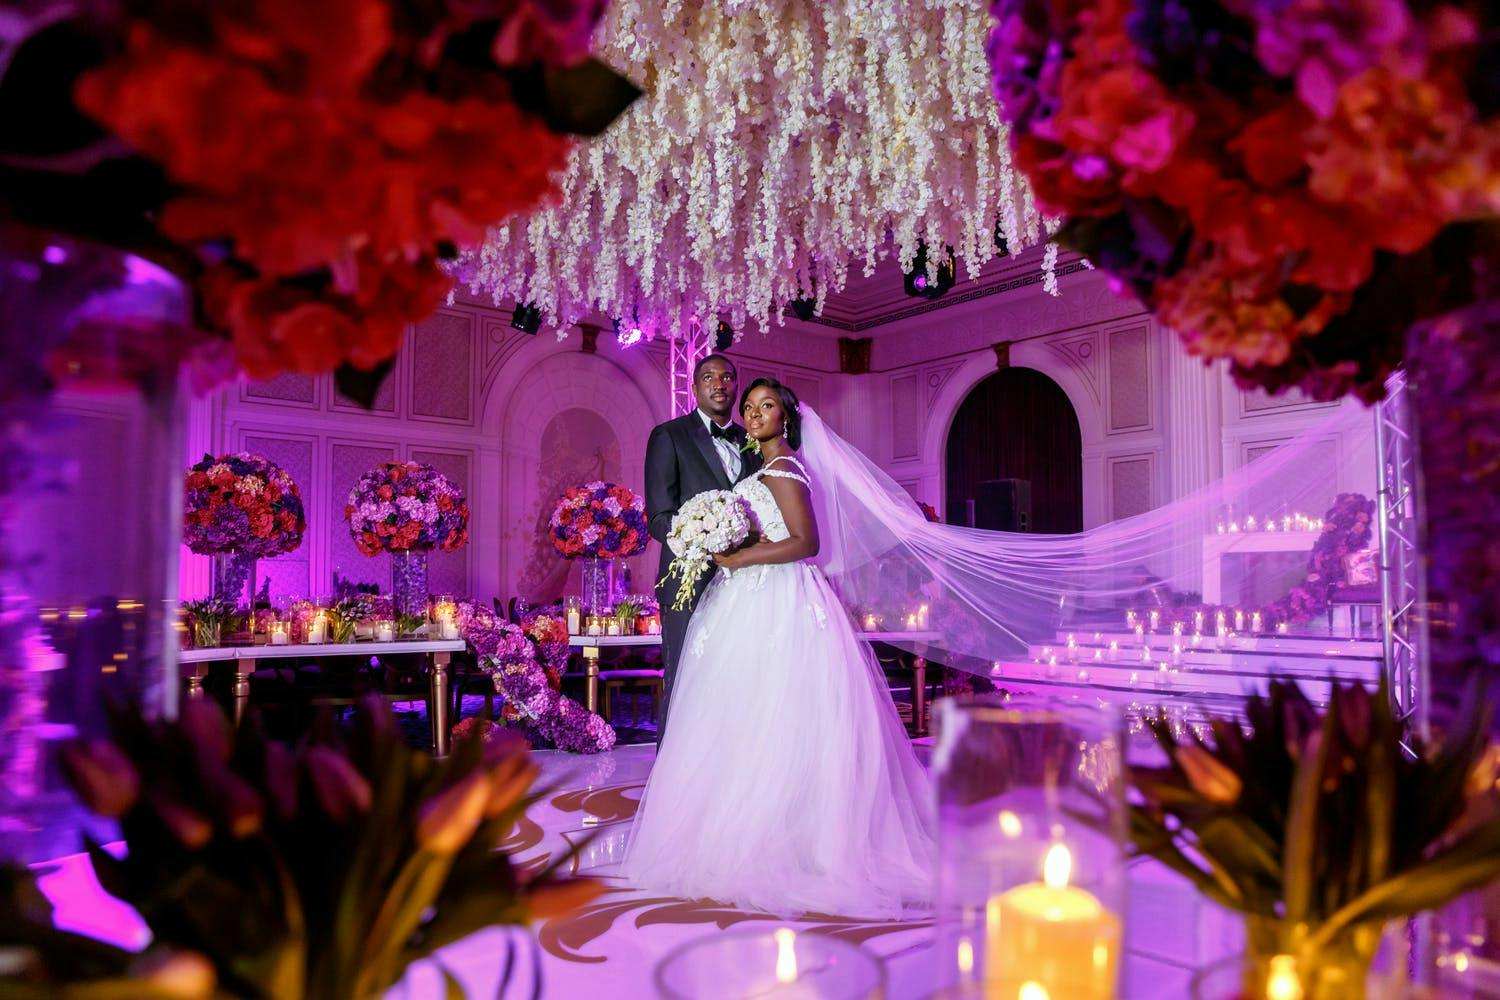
{"points": [[684, 457]]}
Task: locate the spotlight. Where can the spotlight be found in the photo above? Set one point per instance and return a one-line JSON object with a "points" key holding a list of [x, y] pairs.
{"points": [[919, 284], [1002, 246], [527, 318], [723, 336], [628, 334]]}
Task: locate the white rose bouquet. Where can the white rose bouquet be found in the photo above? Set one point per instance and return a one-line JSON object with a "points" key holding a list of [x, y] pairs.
{"points": [[708, 524]]}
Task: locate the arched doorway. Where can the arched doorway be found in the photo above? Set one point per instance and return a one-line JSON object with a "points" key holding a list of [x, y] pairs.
{"points": [[1018, 424]]}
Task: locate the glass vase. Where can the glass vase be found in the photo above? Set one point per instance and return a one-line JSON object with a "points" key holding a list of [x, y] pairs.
{"points": [[409, 582], [1273, 965], [234, 580], [1031, 849], [598, 586], [91, 445], [207, 632], [771, 963]]}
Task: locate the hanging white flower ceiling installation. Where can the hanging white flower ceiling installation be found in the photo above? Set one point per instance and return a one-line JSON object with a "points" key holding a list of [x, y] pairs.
{"points": [[777, 141]]}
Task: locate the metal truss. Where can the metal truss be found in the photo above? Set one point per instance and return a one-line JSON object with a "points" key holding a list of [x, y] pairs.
{"points": [[1403, 586], [683, 352]]}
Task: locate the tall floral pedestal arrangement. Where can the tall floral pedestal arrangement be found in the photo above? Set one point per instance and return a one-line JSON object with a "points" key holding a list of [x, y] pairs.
{"points": [[237, 508], [407, 509], [1311, 191], [91, 432], [598, 522]]}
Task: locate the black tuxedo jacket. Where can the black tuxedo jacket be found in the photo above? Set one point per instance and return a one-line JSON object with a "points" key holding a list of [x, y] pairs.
{"points": [[681, 463]]}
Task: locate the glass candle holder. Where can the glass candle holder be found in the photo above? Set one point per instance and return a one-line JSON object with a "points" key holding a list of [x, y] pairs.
{"points": [[771, 963], [573, 613], [1031, 854]]}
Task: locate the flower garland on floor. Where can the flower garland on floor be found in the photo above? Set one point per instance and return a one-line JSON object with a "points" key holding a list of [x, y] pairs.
{"points": [[1278, 182], [779, 140], [399, 506], [241, 503], [521, 675]]}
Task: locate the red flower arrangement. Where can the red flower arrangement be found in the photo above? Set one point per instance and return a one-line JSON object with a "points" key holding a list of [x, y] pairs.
{"points": [[241, 503], [401, 506], [308, 169], [1271, 179], [599, 521]]}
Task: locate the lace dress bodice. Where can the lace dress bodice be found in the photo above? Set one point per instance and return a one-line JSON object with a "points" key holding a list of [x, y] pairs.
{"points": [[763, 503]]}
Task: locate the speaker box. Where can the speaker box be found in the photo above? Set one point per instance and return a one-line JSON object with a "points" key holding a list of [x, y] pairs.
{"points": [[1003, 505]]}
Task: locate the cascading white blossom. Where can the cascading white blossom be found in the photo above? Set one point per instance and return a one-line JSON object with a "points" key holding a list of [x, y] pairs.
{"points": [[779, 141]]}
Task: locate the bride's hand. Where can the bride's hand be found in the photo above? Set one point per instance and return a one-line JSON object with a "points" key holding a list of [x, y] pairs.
{"points": [[734, 559]]}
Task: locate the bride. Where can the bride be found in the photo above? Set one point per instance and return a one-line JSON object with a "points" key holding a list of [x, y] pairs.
{"points": [[787, 783]]}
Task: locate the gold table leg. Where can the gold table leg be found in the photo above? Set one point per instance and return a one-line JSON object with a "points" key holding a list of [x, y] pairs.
{"points": [[919, 695], [242, 670], [192, 676], [437, 703], [591, 677]]}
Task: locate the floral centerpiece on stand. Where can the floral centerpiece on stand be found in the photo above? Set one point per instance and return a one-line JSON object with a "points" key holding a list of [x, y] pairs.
{"points": [[1319, 827], [509, 654], [407, 509], [598, 522], [239, 508]]}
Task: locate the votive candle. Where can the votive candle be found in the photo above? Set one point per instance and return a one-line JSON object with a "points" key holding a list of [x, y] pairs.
{"points": [[1052, 936]]}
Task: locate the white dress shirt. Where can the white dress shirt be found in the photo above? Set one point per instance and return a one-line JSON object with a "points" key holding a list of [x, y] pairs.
{"points": [[729, 455]]}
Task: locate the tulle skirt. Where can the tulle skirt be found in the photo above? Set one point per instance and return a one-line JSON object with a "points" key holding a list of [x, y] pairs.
{"points": [[786, 782]]}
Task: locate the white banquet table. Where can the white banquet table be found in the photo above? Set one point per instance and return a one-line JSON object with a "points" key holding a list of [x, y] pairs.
{"points": [[591, 645], [194, 666]]}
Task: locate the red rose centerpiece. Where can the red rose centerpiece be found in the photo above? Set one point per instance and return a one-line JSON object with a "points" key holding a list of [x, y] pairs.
{"points": [[407, 509], [239, 508], [598, 522]]}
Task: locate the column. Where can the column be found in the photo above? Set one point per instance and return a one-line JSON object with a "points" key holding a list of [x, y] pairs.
{"points": [[1195, 432]]}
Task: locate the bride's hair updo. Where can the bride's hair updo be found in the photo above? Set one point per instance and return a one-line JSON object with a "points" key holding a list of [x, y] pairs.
{"points": [[790, 408]]}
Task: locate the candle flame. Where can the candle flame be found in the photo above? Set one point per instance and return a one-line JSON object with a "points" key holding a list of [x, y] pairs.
{"points": [[1033, 990], [1010, 823], [1282, 983], [786, 955], [1057, 866], [965, 957]]}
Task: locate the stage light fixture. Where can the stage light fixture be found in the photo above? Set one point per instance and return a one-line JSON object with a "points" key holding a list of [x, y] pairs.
{"points": [[527, 318], [803, 309], [723, 336], [922, 286], [628, 334]]}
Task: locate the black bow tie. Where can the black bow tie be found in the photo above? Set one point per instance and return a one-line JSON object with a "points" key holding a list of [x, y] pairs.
{"points": [[726, 432]]}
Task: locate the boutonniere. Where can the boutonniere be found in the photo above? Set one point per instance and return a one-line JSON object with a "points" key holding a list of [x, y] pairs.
{"points": [[751, 446]]}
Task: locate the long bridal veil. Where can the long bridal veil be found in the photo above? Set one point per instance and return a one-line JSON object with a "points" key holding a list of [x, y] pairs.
{"points": [[1241, 543]]}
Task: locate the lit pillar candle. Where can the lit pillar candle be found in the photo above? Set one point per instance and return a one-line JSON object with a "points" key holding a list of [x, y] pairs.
{"points": [[1282, 628], [922, 611], [1056, 938], [279, 635], [870, 623], [1140, 632], [1255, 622], [1114, 650], [1234, 528], [911, 622], [385, 632], [1177, 628], [1250, 523], [317, 629], [575, 620], [1286, 524], [1155, 620], [1239, 620], [1130, 619]]}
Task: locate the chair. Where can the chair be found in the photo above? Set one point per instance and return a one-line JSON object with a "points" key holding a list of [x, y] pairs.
{"points": [[1360, 589], [632, 680]]}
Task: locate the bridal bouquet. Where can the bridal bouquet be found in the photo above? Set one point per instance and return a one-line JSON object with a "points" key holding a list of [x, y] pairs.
{"points": [[710, 523]]}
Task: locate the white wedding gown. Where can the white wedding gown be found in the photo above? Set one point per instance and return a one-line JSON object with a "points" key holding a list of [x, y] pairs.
{"points": [[788, 783]]}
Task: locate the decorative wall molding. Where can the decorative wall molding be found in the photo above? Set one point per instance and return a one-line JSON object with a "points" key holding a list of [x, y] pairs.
{"points": [[1081, 353], [1132, 480], [283, 390], [934, 377], [1131, 388], [906, 417]]}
